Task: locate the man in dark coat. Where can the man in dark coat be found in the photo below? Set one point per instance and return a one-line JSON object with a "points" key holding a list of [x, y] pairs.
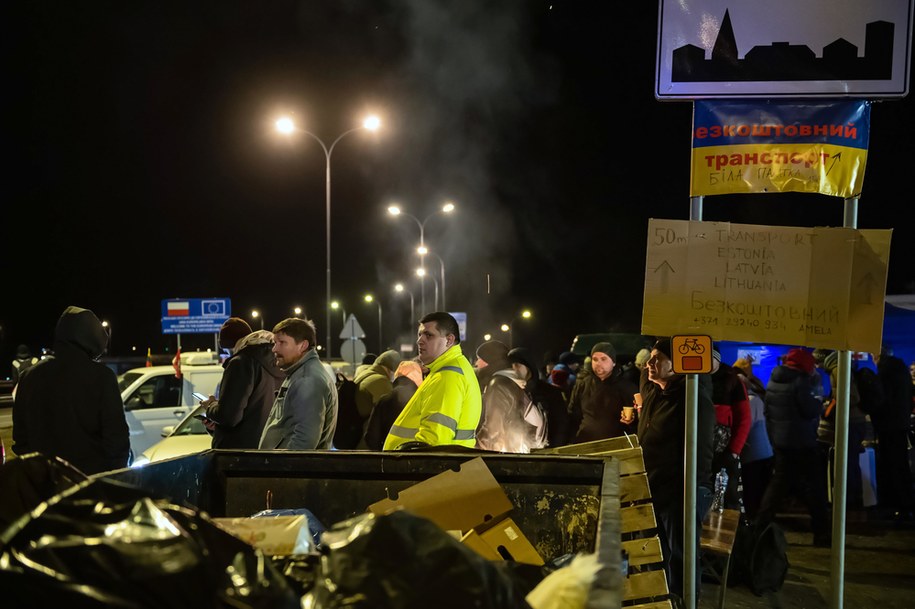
{"points": [[249, 386], [891, 420], [69, 405], [794, 403], [598, 398], [662, 424]]}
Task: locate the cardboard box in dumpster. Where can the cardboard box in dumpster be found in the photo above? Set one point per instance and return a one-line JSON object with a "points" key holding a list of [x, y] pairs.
{"points": [[470, 501], [275, 536]]}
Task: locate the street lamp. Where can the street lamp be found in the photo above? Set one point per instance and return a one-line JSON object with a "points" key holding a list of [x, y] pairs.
{"points": [[510, 326], [256, 315], [400, 288], [336, 305], [369, 299], [297, 311], [287, 126], [107, 327], [422, 274], [446, 208], [422, 250]]}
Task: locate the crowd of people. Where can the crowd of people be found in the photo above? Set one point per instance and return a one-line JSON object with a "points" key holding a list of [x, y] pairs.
{"points": [[768, 439]]}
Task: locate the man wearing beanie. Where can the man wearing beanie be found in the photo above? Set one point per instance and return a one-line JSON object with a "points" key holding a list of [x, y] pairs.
{"points": [[249, 384], [597, 401], [794, 403], [662, 424], [492, 356]]}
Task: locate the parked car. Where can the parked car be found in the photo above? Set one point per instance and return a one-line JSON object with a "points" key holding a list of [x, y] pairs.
{"points": [[187, 437], [154, 397]]}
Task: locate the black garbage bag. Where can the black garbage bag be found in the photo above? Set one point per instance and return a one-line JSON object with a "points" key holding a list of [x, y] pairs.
{"points": [[402, 561], [106, 544], [29, 481]]}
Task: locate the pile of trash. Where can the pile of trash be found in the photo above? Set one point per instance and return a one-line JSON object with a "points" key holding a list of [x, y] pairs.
{"points": [[67, 540]]}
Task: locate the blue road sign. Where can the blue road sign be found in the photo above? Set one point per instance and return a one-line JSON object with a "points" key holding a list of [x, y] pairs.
{"points": [[195, 315]]}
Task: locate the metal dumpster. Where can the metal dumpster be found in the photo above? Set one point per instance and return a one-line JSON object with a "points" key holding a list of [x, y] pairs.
{"points": [[563, 504]]}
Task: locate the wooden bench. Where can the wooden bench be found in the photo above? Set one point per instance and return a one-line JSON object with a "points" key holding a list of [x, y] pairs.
{"points": [[716, 543]]}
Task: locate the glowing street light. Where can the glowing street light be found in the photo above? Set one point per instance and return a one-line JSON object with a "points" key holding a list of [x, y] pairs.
{"points": [[487, 336], [297, 311], [107, 327], [446, 208], [422, 274], [422, 250], [399, 288], [255, 314], [335, 305], [526, 314], [370, 299], [287, 126]]}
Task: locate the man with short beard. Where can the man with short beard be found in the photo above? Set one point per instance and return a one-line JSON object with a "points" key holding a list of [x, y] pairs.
{"points": [[662, 423], [304, 414]]}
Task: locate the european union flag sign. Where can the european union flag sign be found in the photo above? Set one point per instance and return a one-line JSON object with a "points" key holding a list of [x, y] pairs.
{"points": [[195, 315]]}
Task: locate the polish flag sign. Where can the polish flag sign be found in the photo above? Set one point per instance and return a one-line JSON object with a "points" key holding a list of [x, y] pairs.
{"points": [[178, 309]]}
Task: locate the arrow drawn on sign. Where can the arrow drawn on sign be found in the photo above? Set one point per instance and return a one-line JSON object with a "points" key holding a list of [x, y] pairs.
{"points": [[665, 269], [835, 160], [867, 285]]}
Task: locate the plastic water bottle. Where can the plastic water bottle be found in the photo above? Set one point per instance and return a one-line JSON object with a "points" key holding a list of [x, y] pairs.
{"points": [[721, 485]]}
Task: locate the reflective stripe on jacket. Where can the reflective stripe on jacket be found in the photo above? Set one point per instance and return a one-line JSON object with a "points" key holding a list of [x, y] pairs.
{"points": [[445, 409]]}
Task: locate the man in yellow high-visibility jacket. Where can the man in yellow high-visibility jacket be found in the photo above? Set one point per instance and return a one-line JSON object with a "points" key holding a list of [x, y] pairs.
{"points": [[447, 406]]}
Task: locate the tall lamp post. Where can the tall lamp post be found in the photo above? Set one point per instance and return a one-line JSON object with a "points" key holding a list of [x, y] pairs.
{"points": [[399, 288], [509, 327], [395, 210], [107, 327], [421, 273], [370, 299], [423, 251], [286, 126], [336, 305]]}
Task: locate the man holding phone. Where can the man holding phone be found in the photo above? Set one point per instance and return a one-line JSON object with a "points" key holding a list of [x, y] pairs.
{"points": [[249, 384]]}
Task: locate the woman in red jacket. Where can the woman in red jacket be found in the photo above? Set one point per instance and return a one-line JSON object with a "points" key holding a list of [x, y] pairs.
{"points": [[732, 426]]}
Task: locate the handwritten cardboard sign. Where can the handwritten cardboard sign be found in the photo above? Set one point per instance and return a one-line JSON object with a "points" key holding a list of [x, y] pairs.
{"points": [[818, 287]]}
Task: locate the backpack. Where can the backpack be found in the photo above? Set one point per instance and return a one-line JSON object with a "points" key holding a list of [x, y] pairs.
{"points": [[760, 557], [349, 423]]}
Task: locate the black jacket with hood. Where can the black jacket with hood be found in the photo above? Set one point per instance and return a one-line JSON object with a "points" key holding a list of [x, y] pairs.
{"points": [[794, 403], [249, 386], [69, 405], [662, 423]]}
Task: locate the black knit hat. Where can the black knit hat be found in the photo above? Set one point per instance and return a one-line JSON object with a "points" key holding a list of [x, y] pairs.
{"points": [[663, 345], [493, 352], [606, 348], [233, 330]]}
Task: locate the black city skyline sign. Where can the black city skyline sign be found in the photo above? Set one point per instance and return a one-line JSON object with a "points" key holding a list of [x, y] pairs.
{"points": [[782, 61]]}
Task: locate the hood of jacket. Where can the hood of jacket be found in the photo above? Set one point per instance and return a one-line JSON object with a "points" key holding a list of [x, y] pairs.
{"points": [[81, 329], [371, 370], [258, 337]]}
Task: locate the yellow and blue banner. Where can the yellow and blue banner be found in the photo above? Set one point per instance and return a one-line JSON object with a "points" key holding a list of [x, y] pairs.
{"points": [[751, 147]]}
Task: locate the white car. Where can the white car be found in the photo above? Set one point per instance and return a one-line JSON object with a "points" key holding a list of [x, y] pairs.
{"points": [[154, 398], [187, 437]]}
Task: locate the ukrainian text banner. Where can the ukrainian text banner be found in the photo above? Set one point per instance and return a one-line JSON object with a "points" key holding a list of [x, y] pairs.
{"points": [[755, 147]]}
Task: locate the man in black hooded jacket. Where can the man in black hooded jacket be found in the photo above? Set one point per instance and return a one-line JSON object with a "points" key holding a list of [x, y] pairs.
{"points": [[248, 388], [69, 405], [662, 422]]}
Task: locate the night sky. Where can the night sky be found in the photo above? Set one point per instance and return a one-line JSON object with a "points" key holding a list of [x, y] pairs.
{"points": [[141, 163]]}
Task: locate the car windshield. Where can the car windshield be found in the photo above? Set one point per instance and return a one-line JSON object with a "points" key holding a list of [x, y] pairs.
{"points": [[190, 425], [127, 379]]}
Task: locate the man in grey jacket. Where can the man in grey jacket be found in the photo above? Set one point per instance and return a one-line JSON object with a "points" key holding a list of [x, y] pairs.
{"points": [[304, 414]]}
